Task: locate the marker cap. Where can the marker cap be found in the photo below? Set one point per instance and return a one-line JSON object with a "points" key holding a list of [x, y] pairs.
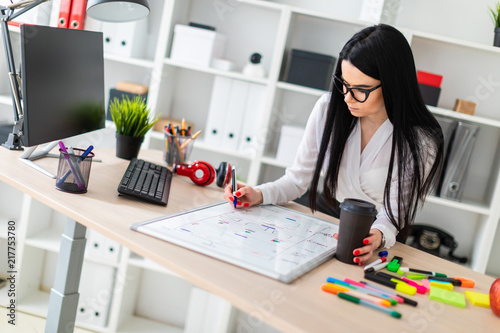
{"points": [[404, 288]]}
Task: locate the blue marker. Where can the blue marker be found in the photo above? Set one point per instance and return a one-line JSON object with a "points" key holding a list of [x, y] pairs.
{"points": [[235, 200]]}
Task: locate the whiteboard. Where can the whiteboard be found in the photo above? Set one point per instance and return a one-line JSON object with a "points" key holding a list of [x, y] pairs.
{"points": [[271, 240]]}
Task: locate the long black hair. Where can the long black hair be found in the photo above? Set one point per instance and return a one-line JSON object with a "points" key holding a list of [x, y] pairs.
{"points": [[383, 53]]}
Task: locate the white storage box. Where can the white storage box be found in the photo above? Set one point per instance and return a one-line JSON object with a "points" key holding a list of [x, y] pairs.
{"points": [[289, 143], [196, 46]]}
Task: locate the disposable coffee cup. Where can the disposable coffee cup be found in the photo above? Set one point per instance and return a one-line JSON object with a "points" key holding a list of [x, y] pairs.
{"points": [[356, 219]]}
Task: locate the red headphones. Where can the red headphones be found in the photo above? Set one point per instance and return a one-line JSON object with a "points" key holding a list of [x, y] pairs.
{"points": [[203, 174]]}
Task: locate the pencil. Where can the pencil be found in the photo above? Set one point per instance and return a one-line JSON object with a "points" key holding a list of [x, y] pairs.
{"points": [[185, 143]]}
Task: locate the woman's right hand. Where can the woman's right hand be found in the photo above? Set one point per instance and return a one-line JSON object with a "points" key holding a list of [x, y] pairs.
{"points": [[246, 195]]}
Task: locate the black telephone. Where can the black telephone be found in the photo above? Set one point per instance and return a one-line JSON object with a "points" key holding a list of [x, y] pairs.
{"points": [[429, 239]]}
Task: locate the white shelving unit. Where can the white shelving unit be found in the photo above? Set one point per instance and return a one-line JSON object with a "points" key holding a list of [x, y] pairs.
{"points": [[179, 90]]}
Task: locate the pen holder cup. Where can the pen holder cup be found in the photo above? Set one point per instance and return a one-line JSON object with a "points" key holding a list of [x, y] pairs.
{"points": [[177, 148], [73, 171]]}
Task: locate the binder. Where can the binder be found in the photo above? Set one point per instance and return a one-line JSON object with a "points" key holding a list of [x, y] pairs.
{"points": [[130, 39], [96, 292], [101, 248], [448, 126], [125, 39], [64, 13], [77, 16], [108, 37], [217, 110], [455, 174], [251, 121], [234, 114]]}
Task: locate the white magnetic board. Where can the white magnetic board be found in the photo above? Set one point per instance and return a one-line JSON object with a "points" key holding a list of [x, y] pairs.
{"points": [[271, 240]]}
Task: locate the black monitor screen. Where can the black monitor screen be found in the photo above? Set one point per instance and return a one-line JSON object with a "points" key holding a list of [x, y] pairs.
{"points": [[62, 73]]}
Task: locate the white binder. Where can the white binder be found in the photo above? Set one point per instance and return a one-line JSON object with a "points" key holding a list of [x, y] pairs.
{"points": [[251, 121], [96, 291], [217, 110], [455, 174], [101, 248], [234, 114], [125, 39]]}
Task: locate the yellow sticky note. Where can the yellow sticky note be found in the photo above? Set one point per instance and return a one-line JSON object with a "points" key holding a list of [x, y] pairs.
{"points": [[442, 285], [478, 299]]}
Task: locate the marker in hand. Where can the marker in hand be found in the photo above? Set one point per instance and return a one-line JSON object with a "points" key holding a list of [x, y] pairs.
{"points": [[235, 200]]}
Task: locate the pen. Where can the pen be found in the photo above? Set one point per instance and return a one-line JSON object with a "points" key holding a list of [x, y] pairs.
{"points": [[353, 299], [405, 299], [81, 158], [335, 289], [235, 200], [376, 262], [414, 270], [183, 127], [75, 164], [71, 166]]}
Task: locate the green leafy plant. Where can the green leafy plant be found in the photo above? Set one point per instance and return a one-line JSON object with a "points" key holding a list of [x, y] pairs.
{"points": [[495, 14], [131, 116]]}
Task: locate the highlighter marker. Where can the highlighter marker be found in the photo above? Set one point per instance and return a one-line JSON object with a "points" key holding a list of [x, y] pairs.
{"points": [[362, 288], [404, 299], [335, 289], [350, 298], [235, 200], [414, 270], [404, 288], [375, 263]]}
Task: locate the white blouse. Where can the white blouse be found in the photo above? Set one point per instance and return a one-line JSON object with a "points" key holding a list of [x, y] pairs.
{"points": [[362, 175]]}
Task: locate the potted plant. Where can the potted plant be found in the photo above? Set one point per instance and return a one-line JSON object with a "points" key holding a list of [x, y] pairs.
{"points": [[132, 119], [495, 14]]}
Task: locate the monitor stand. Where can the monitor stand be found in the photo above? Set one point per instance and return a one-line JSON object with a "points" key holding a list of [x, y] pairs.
{"points": [[29, 155]]}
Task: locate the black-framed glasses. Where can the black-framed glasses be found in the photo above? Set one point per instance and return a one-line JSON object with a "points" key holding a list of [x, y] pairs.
{"points": [[359, 94]]}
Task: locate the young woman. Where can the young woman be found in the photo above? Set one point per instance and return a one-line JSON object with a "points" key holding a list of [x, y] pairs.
{"points": [[370, 138]]}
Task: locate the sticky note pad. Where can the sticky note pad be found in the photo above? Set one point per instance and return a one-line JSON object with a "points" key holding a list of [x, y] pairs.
{"points": [[478, 299], [442, 285], [448, 297]]}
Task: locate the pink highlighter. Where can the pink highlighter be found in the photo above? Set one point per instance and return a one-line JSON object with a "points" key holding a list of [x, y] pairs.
{"points": [[420, 288]]}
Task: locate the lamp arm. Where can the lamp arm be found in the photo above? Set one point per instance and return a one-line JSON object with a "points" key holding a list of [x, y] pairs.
{"points": [[25, 5]]}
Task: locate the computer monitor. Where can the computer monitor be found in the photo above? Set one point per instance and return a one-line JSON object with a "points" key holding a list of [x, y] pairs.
{"points": [[62, 75]]}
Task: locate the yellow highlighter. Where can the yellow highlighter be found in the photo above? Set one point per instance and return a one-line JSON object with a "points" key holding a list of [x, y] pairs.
{"points": [[404, 287]]}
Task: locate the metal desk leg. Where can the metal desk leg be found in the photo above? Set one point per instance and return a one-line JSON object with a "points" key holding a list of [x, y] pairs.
{"points": [[64, 295]]}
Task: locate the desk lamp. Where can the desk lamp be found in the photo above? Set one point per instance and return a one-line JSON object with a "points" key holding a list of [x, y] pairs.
{"points": [[103, 10]]}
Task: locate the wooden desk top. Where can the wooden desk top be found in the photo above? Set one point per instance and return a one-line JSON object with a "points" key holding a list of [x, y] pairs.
{"points": [[297, 307]]}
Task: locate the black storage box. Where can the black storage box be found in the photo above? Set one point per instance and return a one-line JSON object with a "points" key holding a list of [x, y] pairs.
{"points": [[114, 93], [430, 94], [310, 69]]}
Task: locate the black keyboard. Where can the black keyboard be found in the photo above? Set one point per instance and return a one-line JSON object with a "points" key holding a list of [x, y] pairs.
{"points": [[146, 181]]}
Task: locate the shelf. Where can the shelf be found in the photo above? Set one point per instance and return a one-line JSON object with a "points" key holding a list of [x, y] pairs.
{"points": [[210, 70], [300, 89], [37, 303], [465, 206], [139, 324], [456, 42], [199, 144], [463, 116], [50, 240], [130, 61]]}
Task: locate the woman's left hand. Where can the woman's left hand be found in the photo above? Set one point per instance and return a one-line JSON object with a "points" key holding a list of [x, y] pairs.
{"points": [[372, 243]]}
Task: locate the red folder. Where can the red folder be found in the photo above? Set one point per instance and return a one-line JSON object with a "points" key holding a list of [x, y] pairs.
{"points": [[77, 17], [64, 13]]}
